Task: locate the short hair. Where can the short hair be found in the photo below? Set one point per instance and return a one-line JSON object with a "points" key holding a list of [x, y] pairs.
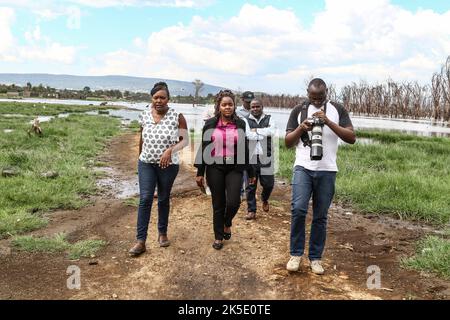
{"points": [[317, 82], [158, 87], [258, 100]]}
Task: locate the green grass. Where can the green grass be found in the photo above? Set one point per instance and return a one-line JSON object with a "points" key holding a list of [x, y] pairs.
{"points": [[46, 109], [131, 202], [19, 221], [433, 255], [85, 248], [134, 126], [403, 175], [67, 147], [31, 244], [57, 244]]}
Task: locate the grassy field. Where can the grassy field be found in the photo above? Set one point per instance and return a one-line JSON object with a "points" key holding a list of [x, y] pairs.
{"points": [[57, 244], [67, 148], [46, 109], [400, 175], [433, 255]]}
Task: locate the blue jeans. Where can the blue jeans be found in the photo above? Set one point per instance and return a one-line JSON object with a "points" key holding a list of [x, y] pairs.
{"points": [[321, 185], [244, 183], [150, 176]]}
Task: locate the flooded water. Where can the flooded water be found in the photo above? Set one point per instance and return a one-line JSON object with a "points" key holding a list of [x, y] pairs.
{"points": [[195, 117]]}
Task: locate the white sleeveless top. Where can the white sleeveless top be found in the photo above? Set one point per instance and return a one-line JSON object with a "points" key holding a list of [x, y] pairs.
{"points": [[158, 137]]}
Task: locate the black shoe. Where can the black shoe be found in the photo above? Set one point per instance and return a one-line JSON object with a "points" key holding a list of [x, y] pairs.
{"points": [[227, 236], [217, 245]]}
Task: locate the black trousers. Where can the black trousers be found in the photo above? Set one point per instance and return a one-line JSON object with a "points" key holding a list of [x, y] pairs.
{"points": [[267, 183], [224, 181]]}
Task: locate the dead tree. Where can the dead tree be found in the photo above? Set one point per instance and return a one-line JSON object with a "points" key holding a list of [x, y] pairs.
{"points": [[436, 95], [445, 71]]}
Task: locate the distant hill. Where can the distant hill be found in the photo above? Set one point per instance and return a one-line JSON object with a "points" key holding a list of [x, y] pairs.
{"points": [[121, 83]]}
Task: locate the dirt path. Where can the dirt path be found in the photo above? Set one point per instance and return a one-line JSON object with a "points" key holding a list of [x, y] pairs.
{"points": [[251, 265]]}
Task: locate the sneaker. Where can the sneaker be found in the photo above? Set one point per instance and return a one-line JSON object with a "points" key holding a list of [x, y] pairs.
{"points": [[316, 267], [294, 263], [266, 206]]}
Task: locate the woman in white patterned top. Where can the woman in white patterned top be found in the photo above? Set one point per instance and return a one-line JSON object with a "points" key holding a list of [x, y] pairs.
{"points": [[163, 135]]}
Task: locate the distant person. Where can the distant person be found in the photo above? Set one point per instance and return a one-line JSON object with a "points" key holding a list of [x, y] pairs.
{"points": [[223, 156], [246, 98], [260, 131], [163, 135], [242, 113], [314, 178]]}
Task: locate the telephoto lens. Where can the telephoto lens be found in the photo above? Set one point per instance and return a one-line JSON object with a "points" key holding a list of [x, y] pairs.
{"points": [[316, 140]]}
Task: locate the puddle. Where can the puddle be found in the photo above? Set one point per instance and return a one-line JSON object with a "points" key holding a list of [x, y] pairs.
{"points": [[104, 169], [195, 117], [128, 189], [119, 189], [48, 118], [13, 115], [117, 186]]}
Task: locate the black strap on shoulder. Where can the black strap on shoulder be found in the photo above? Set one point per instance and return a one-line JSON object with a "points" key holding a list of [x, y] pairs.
{"points": [[303, 116], [304, 111]]}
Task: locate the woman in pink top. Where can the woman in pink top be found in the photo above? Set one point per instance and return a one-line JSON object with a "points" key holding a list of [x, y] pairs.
{"points": [[223, 157]]}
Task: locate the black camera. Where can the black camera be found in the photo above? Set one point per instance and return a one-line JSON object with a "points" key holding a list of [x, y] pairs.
{"points": [[316, 139]]}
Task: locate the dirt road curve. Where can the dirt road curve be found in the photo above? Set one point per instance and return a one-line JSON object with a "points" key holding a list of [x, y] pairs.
{"points": [[251, 265]]}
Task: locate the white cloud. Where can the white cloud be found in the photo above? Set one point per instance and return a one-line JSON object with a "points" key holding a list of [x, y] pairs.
{"points": [[269, 49], [239, 46], [35, 35], [7, 17], [265, 48], [53, 53], [74, 18], [120, 62], [47, 4], [143, 3], [39, 48], [52, 9], [138, 42]]}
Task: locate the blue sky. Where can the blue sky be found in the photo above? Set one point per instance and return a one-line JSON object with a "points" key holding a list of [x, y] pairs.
{"points": [[272, 46]]}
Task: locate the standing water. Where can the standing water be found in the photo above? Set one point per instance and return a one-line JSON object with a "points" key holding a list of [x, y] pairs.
{"points": [[195, 117]]}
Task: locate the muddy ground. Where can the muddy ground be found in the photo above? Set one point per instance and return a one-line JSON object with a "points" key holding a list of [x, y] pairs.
{"points": [[251, 265]]}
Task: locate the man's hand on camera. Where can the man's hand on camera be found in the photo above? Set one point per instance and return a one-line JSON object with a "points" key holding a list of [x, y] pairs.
{"points": [[322, 116], [306, 126]]}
